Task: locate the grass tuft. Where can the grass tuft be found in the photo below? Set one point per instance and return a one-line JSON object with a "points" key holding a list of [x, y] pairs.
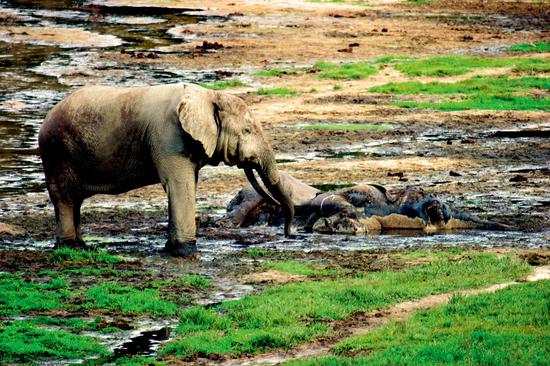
{"points": [[19, 296], [356, 70], [491, 102], [295, 267], [459, 65], [66, 254], [223, 84], [128, 300], [537, 47], [283, 92], [20, 343]]}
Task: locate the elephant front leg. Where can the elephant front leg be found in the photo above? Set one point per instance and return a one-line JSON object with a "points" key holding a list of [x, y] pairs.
{"points": [[178, 178]]}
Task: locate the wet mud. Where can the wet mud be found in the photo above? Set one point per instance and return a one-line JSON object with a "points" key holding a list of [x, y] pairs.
{"points": [[492, 164]]}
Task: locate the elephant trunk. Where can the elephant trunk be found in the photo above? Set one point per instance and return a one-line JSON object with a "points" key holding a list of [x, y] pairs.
{"points": [[277, 194]]}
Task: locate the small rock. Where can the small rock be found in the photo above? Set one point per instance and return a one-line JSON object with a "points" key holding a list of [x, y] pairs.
{"points": [[11, 230], [452, 173], [396, 174], [403, 179], [467, 38], [468, 140], [347, 49], [235, 14], [518, 178], [449, 142], [384, 30], [152, 55], [354, 44]]}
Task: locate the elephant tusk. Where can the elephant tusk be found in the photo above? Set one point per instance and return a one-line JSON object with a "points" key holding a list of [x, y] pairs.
{"points": [[262, 192]]}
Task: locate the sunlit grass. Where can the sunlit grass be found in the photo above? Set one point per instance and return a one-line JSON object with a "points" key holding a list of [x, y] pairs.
{"points": [[475, 85], [24, 343], [223, 84], [491, 102], [354, 70], [299, 268], [18, 296], [111, 296], [509, 327], [285, 316], [458, 65], [66, 254], [282, 92], [537, 47]]}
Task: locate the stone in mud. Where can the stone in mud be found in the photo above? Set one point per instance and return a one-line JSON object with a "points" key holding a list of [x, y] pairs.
{"points": [[11, 230]]}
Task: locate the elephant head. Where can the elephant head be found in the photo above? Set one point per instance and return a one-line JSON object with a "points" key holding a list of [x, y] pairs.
{"points": [[228, 133]]}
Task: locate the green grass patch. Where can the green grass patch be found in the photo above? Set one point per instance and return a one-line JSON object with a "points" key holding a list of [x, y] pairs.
{"points": [[349, 127], [279, 72], [127, 300], [392, 58], [138, 361], [299, 268], [508, 327], [20, 342], [256, 252], [282, 92], [491, 102], [285, 316], [458, 65], [188, 280], [537, 47], [336, 87], [223, 84], [476, 85], [66, 254], [19, 296], [356, 70]]}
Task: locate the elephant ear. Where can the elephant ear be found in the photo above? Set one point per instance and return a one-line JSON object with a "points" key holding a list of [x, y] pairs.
{"points": [[197, 114]]}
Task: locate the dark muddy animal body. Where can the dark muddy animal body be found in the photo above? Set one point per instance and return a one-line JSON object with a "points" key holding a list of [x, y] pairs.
{"points": [[355, 210]]}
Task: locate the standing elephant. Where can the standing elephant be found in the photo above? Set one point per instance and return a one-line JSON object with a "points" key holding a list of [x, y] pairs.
{"points": [[110, 140]]}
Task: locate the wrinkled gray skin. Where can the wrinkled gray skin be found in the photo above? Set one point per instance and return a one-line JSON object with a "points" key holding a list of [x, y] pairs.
{"points": [[110, 140], [344, 206]]}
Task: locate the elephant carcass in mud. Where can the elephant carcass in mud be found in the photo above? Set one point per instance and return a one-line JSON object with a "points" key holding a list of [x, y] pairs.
{"points": [[354, 210]]}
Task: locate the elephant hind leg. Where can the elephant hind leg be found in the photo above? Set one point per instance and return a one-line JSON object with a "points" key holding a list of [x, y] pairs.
{"points": [[67, 216]]}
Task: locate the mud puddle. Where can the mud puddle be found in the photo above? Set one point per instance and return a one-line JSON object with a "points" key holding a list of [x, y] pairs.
{"points": [[40, 65]]}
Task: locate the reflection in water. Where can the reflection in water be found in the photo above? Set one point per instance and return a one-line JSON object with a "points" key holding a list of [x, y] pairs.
{"points": [[34, 77]]}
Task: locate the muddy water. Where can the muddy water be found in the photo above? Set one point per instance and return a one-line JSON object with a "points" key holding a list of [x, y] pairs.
{"points": [[37, 73]]}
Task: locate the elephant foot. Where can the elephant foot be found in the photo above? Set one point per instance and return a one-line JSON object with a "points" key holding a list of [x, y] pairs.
{"points": [[70, 243], [179, 249]]}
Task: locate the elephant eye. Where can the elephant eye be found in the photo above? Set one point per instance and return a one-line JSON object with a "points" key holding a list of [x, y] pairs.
{"points": [[247, 131]]}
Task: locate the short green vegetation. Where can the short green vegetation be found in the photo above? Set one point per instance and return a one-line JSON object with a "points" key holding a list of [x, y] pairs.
{"points": [[138, 361], [279, 72], [66, 254], [282, 92], [356, 70], [482, 92], [256, 252], [476, 85], [537, 47], [509, 327], [336, 87], [223, 84], [349, 127], [22, 343], [299, 268], [188, 280], [492, 102], [392, 58], [19, 296], [110, 296], [285, 316], [458, 65]]}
